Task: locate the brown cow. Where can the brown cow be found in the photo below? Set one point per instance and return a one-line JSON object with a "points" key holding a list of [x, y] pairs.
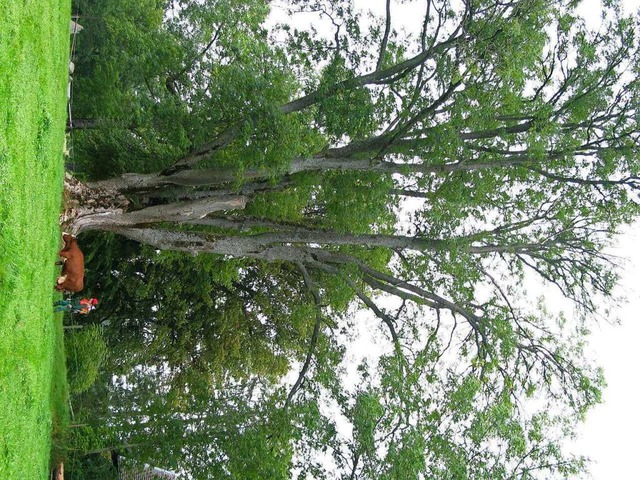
{"points": [[72, 276]]}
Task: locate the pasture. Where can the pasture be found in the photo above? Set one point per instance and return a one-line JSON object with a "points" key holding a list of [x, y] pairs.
{"points": [[34, 46]]}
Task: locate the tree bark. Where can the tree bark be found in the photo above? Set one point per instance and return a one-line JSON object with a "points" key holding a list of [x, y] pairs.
{"points": [[178, 212], [99, 208], [82, 123], [301, 245], [131, 182], [58, 472]]}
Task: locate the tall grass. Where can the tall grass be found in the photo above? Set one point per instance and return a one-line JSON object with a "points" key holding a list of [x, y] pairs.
{"points": [[34, 44]]}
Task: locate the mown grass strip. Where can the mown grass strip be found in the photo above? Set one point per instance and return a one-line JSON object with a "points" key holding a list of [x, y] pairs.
{"points": [[34, 43]]}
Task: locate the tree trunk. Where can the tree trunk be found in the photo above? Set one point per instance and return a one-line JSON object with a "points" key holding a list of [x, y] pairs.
{"points": [[89, 208], [178, 212], [131, 182], [80, 200], [82, 123], [301, 245], [58, 472]]}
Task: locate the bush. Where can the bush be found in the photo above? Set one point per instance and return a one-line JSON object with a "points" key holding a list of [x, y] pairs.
{"points": [[86, 350], [90, 467]]}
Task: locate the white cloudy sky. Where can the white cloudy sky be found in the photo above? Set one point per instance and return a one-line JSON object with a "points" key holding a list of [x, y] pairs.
{"points": [[610, 433]]}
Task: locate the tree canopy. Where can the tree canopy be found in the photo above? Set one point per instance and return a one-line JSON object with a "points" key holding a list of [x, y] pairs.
{"points": [[251, 185]]}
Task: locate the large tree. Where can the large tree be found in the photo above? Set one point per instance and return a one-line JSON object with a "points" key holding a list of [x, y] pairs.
{"points": [[443, 170]]}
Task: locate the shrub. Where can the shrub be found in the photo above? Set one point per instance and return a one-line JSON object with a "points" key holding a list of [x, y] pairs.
{"points": [[90, 467], [86, 350]]}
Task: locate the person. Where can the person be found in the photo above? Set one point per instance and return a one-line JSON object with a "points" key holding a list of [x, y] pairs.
{"points": [[83, 306]]}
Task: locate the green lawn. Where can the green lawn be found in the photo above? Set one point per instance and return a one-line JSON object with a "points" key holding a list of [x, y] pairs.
{"points": [[34, 46]]}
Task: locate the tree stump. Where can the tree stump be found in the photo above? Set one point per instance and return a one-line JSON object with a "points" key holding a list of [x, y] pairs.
{"points": [[58, 472]]}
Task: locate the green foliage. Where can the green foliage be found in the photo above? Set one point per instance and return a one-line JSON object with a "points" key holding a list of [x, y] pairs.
{"points": [[406, 460], [136, 129], [88, 452], [91, 467], [257, 457], [347, 113], [356, 202], [288, 205], [178, 81], [345, 202], [219, 323], [366, 413], [273, 140], [86, 350]]}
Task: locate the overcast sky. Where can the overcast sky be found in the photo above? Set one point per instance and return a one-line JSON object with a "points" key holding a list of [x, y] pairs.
{"points": [[610, 434]]}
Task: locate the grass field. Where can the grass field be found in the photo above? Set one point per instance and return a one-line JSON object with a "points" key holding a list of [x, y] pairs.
{"points": [[34, 45]]}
